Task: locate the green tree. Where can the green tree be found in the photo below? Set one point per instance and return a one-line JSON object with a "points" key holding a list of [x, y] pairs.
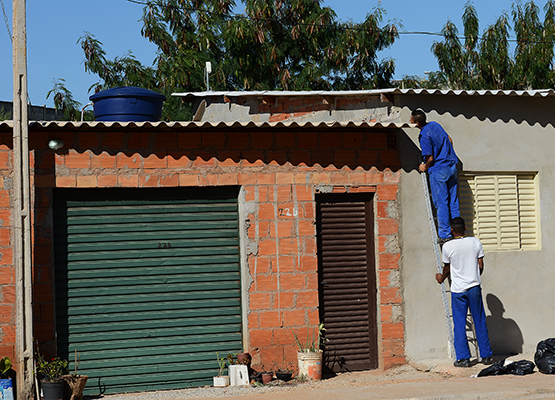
{"points": [[533, 67], [64, 101], [4, 114], [273, 45], [486, 62]]}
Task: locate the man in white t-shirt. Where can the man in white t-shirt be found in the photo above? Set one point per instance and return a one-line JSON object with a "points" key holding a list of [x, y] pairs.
{"points": [[463, 259]]}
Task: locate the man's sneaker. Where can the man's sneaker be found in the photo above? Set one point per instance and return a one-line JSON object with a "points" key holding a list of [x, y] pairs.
{"points": [[464, 363], [487, 360]]}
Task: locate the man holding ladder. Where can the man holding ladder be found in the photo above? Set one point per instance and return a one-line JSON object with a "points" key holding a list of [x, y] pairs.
{"points": [[463, 259]]}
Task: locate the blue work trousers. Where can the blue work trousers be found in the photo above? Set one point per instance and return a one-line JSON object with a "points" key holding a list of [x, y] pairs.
{"points": [[460, 302], [444, 185]]}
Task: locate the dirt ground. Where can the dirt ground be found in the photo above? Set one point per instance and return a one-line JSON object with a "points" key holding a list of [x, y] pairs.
{"points": [[424, 380]]}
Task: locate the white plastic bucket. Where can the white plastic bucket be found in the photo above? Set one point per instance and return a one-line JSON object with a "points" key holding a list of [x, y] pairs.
{"points": [[310, 365]]}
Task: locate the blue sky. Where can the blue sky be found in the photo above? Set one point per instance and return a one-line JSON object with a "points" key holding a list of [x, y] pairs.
{"points": [[54, 27]]}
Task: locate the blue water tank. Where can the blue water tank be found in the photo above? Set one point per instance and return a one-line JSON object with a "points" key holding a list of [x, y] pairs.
{"points": [[127, 103]]}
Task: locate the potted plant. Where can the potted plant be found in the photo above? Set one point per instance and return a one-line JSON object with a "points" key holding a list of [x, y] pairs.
{"points": [[51, 373], [267, 376], [309, 355], [221, 380], [244, 359], [6, 387], [75, 384], [285, 374]]}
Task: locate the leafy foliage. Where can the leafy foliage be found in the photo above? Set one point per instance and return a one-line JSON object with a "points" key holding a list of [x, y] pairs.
{"points": [[274, 45], [286, 44], [64, 101], [222, 363], [313, 341], [5, 365], [122, 71], [433, 80], [5, 114], [52, 370], [486, 63]]}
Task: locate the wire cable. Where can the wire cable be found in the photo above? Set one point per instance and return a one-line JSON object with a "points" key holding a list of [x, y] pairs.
{"points": [[6, 21], [336, 26]]}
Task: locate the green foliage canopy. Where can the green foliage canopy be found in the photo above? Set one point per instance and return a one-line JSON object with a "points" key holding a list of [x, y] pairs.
{"points": [[64, 101], [273, 45], [486, 62]]}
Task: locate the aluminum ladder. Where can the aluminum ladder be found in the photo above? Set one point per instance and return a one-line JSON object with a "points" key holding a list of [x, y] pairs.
{"points": [[439, 264]]}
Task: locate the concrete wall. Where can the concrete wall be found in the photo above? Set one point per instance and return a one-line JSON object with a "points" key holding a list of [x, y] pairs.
{"points": [[490, 134], [315, 109]]}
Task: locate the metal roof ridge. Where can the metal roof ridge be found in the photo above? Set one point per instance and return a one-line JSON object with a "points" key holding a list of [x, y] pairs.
{"points": [[456, 92], [481, 92], [210, 124], [284, 93]]}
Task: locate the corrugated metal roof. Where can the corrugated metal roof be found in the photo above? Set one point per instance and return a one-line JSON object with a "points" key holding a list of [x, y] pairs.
{"points": [[279, 93], [530, 93], [275, 93], [38, 125]]}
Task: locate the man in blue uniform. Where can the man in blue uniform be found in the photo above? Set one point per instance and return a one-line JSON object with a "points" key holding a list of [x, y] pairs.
{"points": [[440, 160]]}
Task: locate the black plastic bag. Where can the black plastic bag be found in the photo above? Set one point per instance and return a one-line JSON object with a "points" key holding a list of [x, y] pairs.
{"points": [[522, 367], [545, 356], [497, 368]]}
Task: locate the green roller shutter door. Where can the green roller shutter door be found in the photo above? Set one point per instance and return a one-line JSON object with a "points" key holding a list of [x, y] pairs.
{"points": [[147, 285]]}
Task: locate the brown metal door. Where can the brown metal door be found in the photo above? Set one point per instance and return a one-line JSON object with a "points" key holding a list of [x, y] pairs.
{"points": [[347, 281]]}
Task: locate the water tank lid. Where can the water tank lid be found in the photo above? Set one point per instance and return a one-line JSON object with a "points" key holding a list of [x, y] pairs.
{"points": [[126, 91]]}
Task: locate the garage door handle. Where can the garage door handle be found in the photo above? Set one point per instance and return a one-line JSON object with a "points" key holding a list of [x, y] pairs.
{"points": [[324, 283]]}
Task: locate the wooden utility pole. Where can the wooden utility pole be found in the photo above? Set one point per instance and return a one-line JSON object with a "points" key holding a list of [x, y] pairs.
{"points": [[21, 206]]}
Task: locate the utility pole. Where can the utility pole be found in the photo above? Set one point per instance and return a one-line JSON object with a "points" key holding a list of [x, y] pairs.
{"points": [[21, 206]]}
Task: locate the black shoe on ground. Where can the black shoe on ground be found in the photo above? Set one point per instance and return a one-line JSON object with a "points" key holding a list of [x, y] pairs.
{"points": [[487, 360], [464, 363]]}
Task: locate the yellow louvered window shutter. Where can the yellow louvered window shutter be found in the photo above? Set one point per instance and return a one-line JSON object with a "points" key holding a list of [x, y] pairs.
{"points": [[528, 211], [501, 209]]}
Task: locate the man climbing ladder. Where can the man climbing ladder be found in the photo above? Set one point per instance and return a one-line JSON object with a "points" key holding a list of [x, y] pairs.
{"points": [[440, 161]]}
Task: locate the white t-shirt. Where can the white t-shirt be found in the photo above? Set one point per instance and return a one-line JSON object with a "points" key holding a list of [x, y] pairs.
{"points": [[463, 254]]}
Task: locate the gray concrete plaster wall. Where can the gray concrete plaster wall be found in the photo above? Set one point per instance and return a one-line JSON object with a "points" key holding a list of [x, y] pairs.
{"points": [[247, 110], [490, 134]]}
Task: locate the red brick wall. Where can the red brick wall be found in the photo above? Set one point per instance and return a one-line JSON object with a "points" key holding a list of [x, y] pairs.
{"points": [[7, 272], [284, 108], [279, 171]]}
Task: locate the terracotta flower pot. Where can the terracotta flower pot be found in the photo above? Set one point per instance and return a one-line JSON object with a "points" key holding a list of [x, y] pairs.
{"points": [[244, 359], [267, 377]]}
